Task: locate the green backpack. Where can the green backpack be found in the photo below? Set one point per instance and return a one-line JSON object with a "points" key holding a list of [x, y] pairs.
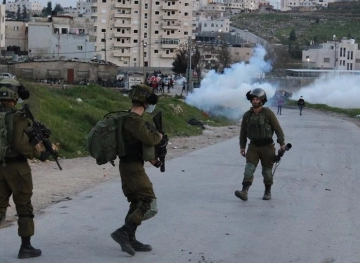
{"points": [[4, 135], [105, 141]]}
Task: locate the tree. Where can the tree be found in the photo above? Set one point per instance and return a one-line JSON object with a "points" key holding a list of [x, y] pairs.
{"points": [[18, 13], [47, 10], [58, 8], [4, 2], [292, 35], [24, 14], [224, 57], [180, 62], [198, 63]]}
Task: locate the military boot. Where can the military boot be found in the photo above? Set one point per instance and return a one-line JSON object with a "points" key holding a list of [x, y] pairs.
{"points": [[243, 194], [27, 251], [137, 245], [267, 194], [121, 236]]}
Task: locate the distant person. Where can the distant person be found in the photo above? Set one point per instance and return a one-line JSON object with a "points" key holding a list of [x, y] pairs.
{"points": [[280, 104], [183, 87], [258, 125], [301, 104], [162, 86]]}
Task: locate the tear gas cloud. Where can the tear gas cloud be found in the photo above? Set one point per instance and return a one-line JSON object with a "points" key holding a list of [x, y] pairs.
{"points": [[225, 94], [336, 91]]}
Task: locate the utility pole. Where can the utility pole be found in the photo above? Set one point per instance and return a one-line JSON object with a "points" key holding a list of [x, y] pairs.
{"points": [[105, 45], [188, 69], [58, 45], [334, 38], [85, 48]]}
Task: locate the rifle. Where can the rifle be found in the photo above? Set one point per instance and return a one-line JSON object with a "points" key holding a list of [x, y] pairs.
{"points": [[160, 149], [39, 133]]}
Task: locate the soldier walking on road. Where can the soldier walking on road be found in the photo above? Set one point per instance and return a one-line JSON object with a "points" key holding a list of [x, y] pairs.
{"points": [[259, 124], [140, 139], [15, 172]]}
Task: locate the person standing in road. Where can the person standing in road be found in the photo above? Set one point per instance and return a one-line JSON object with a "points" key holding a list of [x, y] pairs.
{"points": [[15, 172], [140, 139], [280, 104], [301, 104], [259, 124]]}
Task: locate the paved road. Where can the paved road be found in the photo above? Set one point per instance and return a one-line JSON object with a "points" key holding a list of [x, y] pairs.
{"points": [[313, 216]]}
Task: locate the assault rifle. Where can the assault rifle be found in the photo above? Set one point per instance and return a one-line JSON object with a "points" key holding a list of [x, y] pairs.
{"points": [[39, 133], [160, 149]]}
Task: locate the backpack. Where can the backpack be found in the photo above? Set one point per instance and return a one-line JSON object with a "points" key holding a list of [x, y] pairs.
{"points": [[106, 141], [4, 137]]}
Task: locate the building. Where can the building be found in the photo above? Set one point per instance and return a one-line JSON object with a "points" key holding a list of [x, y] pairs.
{"points": [[2, 27], [140, 33], [61, 37], [339, 55], [211, 25], [32, 7], [16, 34]]}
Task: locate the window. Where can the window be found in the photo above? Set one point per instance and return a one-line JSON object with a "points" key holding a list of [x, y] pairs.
{"points": [[145, 25], [136, 2], [80, 48], [186, 4], [186, 14], [136, 31], [157, 12], [103, 30], [326, 60], [16, 28], [156, 51], [146, 6], [186, 33], [104, 1], [56, 31], [156, 32], [64, 31], [145, 15], [157, 3], [135, 40]]}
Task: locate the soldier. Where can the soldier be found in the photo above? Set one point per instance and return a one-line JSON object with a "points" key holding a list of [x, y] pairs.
{"points": [[259, 124], [15, 172], [140, 138]]}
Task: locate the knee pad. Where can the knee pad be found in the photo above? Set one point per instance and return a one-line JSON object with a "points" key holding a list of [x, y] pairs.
{"points": [[151, 209], [249, 170], [267, 173]]}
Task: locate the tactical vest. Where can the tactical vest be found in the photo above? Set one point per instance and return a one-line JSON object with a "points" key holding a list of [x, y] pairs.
{"points": [[258, 127]]}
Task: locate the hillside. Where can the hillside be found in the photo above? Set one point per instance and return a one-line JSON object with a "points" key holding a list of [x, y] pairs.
{"points": [[340, 19]]}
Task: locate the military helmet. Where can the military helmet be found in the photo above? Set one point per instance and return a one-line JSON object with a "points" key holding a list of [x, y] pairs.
{"points": [[9, 89], [260, 93], [143, 94]]}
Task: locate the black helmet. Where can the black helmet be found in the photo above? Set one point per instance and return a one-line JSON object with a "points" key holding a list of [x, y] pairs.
{"points": [[143, 94], [260, 93]]}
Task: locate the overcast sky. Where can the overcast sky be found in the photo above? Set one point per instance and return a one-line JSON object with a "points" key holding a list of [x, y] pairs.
{"points": [[63, 3]]}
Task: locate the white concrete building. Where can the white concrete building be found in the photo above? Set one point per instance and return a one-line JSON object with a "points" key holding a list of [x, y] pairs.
{"points": [[32, 7], [2, 27], [61, 37], [339, 55], [213, 25], [16, 34], [140, 33]]}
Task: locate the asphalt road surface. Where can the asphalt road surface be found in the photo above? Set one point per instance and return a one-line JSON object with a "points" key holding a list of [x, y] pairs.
{"points": [[313, 216]]}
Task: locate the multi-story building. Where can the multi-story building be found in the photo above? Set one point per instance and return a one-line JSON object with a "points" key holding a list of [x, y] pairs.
{"points": [[339, 55], [140, 33], [32, 7], [286, 5], [16, 34], [2, 27], [61, 37]]}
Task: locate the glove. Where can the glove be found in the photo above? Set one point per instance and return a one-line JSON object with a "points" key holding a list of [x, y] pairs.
{"points": [[44, 156]]}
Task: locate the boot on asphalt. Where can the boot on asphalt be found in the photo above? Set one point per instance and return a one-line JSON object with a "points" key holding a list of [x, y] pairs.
{"points": [[27, 251], [121, 236], [138, 246], [243, 194], [267, 194]]}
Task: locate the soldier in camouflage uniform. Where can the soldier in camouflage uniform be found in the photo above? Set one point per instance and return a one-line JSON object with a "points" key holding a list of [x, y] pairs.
{"points": [[15, 173], [259, 124], [140, 139]]}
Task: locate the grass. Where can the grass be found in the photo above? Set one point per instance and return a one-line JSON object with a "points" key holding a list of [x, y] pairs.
{"points": [[70, 121]]}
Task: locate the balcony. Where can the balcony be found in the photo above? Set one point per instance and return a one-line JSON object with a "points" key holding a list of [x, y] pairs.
{"points": [[120, 5], [118, 53], [121, 25], [171, 17], [171, 7], [122, 45], [170, 26], [170, 55], [94, 15], [122, 35], [122, 15]]}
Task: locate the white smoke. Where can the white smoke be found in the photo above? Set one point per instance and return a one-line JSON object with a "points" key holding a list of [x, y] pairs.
{"points": [[225, 94], [335, 91]]}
